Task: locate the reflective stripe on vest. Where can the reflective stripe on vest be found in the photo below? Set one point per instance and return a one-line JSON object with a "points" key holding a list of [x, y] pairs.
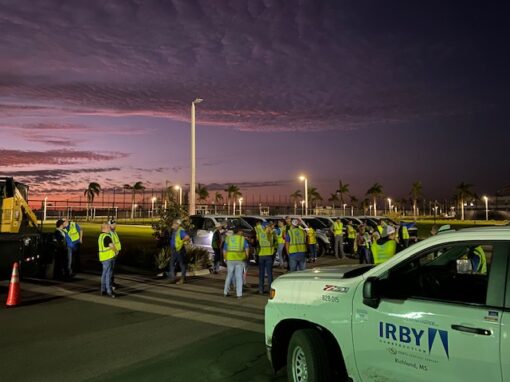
{"points": [[265, 248], [297, 242], [405, 233], [73, 233], [235, 247], [384, 252], [338, 228], [105, 253], [312, 236], [116, 240]]}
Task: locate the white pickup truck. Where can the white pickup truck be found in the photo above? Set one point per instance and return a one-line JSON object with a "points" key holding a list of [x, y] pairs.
{"points": [[438, 311]]}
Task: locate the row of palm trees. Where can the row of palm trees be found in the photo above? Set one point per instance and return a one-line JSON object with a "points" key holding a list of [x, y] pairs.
{"points": [[463, 194]]}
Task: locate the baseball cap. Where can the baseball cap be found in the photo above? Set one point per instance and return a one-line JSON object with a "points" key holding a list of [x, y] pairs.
{"points": [[295, 222]]}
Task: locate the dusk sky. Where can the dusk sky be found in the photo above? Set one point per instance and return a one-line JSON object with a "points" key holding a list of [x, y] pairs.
{"points": [[363, 91]]}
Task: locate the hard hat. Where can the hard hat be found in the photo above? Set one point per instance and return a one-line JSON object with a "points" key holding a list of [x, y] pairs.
{"points": [[387, 231], [112, 222], [295, 222]]}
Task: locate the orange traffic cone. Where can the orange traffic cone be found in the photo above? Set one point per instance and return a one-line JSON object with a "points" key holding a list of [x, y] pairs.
{"points": [[14, 296]]}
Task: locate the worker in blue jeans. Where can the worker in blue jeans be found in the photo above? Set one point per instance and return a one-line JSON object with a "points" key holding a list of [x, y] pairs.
{"points": [[235, 253], [295, 242], [265, 251], [178, 238]]}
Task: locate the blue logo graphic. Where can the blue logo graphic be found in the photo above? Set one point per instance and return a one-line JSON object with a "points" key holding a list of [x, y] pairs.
{"points": [[443, 334], [415, 337]]}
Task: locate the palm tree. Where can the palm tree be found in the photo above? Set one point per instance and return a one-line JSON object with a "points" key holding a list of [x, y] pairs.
{"points": [[366, 206], [314, 196], [354, 203], [218, 198], [463, 192], [202, 192], [416, 194], [333, 198], [343, 189], [233, 193], [93, 190], [138, 186], [374, 192]]}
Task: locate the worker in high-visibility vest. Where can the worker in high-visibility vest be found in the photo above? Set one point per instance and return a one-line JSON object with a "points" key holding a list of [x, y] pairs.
{"points": [[351, 238], [295, 242], [75, 234], [279, 233], [265, 252], [235, 253], [363, 242], [312, 243], [178, 239], [118, 247], [404, 236], [107, 253], [478, 260], [338, 233], [216, 244], [386, 247]]}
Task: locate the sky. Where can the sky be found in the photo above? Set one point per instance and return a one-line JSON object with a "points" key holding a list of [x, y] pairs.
{"points": [[363, 91]]}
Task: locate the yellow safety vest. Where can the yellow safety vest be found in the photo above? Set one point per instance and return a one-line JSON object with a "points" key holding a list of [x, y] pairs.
{"points": [[280, 235], [235, 247], [405, 233], [73, 233], [116, 240], [482, 265], [265, 247], [312, 236], [105, 253], [384, 252], [179, 243], [297, 242], [380, 229], [351, 232], [338, 228]]}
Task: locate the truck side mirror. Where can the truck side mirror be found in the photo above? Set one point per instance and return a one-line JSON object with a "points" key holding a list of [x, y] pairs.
{"points": [[371, 296]]}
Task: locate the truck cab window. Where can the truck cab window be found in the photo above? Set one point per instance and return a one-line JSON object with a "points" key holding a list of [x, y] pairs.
{"points": [[456, 273]]}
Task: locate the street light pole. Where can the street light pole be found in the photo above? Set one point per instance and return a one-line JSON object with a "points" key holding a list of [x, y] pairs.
{"points": [[305, 179], [389, 205], [45, 208], [179, 188], [192, 207], [486, 199], [240, 206]]}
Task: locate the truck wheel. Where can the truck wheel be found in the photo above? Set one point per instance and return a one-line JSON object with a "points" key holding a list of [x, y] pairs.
{"points": [[307, 358]]}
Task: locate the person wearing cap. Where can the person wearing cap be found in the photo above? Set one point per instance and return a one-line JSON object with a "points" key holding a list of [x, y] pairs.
{"points": [[338, 233], [296, 247], [107, 253], [75, 235], [116, 242], [265, 253], [178, 238], [386, 247], [217, 243], [235, 252]]}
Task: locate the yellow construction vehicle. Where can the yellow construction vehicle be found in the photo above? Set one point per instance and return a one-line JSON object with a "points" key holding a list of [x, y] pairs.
{"points": [[21, 238]]}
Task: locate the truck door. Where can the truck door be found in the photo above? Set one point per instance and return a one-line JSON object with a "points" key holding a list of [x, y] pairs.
{"points": [[438, 317]]}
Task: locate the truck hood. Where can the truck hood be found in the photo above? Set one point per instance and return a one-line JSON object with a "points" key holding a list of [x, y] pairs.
{"points": [[338, 272]]}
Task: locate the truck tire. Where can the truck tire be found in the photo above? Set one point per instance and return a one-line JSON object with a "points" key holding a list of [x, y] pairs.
{"points": [[307, 357]]}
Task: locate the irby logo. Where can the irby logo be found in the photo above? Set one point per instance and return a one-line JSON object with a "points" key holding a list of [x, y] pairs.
{"points": [[413, 336]]}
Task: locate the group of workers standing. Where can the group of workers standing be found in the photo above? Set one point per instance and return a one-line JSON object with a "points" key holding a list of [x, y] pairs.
{"points": [[68, 237]]}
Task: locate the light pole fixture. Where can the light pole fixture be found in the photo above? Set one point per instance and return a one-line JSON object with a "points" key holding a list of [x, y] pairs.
{"points": [[179, 188], [192, 206], [486, 199], [240, 206], [303, 178]]}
